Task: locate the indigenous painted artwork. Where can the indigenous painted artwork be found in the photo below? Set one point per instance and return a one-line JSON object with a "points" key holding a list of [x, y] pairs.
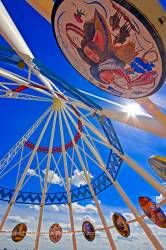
{"points": [[88, 231], [158, 164], [55, 233], [19, 232], [111, 44], [155, 214], [121, 225]]}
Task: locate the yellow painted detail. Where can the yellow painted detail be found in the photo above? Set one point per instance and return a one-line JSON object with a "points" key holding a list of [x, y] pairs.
{"points": [[57, 104], [163, 159], [21, 64], [43, 7]]}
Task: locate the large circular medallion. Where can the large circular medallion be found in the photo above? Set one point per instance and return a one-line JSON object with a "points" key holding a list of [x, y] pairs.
{"points": [[112, 44]]}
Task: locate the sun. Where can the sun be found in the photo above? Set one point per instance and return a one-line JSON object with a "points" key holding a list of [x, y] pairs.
{"points": [[133, 109]]}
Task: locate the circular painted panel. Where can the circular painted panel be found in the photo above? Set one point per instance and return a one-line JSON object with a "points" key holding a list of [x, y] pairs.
{"points": [[19, 232], [112, 44], [121, 225], [88, 231], [155, 214], [55, 233], [158, 164]]}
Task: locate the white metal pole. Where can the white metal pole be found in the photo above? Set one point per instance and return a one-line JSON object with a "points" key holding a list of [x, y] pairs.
{"points": [[20, 96], [152, 124], [153, 110], [108, 233], [24, 173], [67, 184], [12, 35], [8, 75], [142, 122], [45, 183]]}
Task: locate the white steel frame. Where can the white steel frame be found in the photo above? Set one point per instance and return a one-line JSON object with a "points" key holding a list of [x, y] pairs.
{"points": [[155, 124]]}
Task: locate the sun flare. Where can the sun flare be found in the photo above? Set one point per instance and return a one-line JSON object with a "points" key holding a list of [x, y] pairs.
{"points": [[133, 109]]}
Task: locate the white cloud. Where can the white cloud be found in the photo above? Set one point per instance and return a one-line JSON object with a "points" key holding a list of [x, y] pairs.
{"points": [[59, 208], [35, 207], [77, 208], [99, 201], [78, 178], [89, 218], [160, 197], [53, 178], [89, 208], [32, 172], [18, 219], [55, 208], [128, 216]]}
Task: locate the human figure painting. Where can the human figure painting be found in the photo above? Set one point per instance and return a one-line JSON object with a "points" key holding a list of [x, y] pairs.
{"points": [[111, 44]]}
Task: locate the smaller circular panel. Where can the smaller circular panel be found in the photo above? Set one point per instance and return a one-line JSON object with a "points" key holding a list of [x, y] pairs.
{"points": [[55, 233], [88, 230], [121, 225], [155, 214], [19, 232]]}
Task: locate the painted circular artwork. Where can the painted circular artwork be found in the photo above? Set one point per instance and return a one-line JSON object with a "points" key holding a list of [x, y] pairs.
{"points": [[155, 214], [88, 231], [121, 225], [111, 44], [55, 233], [19, 232]]}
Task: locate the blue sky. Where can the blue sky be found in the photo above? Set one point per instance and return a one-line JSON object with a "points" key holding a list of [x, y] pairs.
{"points": [[17, 117], [163, 3]]}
